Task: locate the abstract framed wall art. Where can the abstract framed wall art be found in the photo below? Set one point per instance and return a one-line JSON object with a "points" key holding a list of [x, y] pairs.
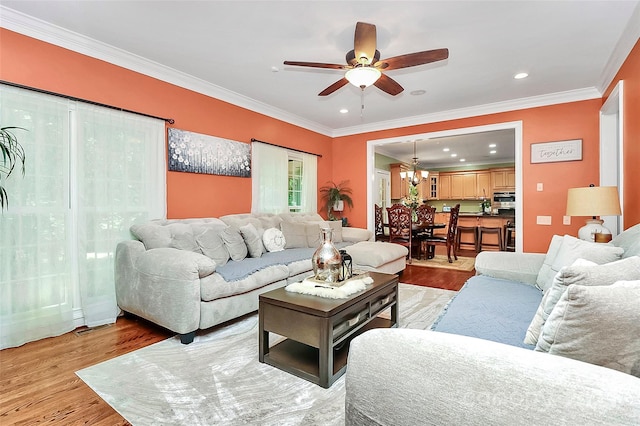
{"points": [[197, 153], [551, 152]]}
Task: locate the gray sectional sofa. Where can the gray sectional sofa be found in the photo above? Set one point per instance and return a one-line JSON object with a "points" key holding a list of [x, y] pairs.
{"points": [[190, 274], [532, 339]]}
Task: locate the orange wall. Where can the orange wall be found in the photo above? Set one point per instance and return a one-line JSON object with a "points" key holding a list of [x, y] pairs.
{"points": [[577, 120], [37, 64], [630, 73], [34, 63]]}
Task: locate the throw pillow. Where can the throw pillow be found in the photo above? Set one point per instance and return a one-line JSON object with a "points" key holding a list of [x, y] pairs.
{"points": [[294, 234], [313, 231], [583, 273], [173, 235], [546, 274], [273, 239], [234, 243], [597, 324], [533, 332], [252, 239], [212, 246], [573, 248]]}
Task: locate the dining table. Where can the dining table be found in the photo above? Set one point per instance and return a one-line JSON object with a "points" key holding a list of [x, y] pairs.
{"points": [[427, 227]]}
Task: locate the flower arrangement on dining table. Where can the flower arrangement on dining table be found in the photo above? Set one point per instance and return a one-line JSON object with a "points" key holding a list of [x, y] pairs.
{"points": [[412, 201]]}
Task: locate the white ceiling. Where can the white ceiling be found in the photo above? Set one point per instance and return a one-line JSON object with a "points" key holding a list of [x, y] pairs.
{"points": [[234, 50]]}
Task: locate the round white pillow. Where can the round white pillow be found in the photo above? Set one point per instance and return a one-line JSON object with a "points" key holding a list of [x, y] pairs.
{"points": [[273, 239]]}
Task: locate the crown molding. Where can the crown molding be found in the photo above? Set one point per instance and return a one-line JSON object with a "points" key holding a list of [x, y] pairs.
{"points": [[497, 107], [44, 31], [629, 38], [41, 30]]}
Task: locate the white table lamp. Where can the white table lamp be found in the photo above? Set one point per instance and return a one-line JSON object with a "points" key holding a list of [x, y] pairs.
{"points": [[593, 201]]}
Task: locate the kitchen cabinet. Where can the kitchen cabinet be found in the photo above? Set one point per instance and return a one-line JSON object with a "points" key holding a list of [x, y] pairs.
{"points": [[483, 185], [432, 187], [444, 186], [463, 186], [399, 186], [503, 178]]}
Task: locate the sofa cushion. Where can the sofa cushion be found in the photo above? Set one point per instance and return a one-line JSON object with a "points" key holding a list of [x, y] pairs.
{"points": [[629, 241], [533, 332], [212, 246], [295, 235], [252, 240], [273, 240], [313, 229], [597, 324], [584, 273], [174, 235], [570, 249], [491, 309], [375, 253], [234, 243], [546, 274]]}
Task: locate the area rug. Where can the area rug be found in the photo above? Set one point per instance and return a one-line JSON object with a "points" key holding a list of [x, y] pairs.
{"points": [[438, 261], [218, 380]]}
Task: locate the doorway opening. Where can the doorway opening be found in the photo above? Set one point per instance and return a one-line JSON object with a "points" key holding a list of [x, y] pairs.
{"points": [[516, 126]]}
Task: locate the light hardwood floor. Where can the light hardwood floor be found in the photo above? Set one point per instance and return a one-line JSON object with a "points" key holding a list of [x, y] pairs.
{"points": [[38, 382]]}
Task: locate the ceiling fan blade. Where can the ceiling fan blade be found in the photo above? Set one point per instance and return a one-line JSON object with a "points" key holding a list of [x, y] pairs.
{"points": [[389, 85], [316, 65], [413, 59], [335, 86], [364, 42]]}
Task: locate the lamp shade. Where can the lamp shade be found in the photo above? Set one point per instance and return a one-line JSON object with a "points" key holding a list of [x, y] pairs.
{"points": [[362, 76], [593, 201]]}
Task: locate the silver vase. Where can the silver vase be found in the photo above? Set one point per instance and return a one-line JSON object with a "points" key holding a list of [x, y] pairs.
{"points": [[326, 259]]}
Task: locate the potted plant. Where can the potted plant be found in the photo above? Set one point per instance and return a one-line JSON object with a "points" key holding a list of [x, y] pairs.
{"points": [[12, 154], [335, 196]]}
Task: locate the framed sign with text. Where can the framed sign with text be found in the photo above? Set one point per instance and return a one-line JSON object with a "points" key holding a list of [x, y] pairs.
{"points": [[550, 152]]}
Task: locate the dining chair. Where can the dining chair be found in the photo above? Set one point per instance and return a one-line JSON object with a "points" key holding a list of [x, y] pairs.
{"points": [[450, 240], [426, 215], [379, 225], [400, 226]]}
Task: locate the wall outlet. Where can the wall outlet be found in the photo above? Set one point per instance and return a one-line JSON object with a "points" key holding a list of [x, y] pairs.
{"points": [[566, 220], [543, 220], [539, 187]]}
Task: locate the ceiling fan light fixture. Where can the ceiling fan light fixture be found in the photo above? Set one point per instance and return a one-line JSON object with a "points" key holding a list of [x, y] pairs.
{"points": [[363, 76]]}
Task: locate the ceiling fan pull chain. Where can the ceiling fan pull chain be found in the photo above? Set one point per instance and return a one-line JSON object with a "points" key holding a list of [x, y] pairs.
{"points": [[362, 102]]}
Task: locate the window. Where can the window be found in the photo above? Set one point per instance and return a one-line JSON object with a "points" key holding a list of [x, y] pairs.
{"points": [[295, 184], [283, 180], [91, 173]]}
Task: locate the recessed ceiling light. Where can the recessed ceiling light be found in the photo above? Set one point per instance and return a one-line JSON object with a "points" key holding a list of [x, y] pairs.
{"points": [[445, 149], [493, 151], [344, 111], [275, 69], [462, 160], [454, 155], [521, 75], [492, 145], [418, 92]]}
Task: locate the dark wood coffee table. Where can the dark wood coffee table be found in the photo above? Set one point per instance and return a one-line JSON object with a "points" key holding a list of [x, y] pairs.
{"points": [[318, 330]]}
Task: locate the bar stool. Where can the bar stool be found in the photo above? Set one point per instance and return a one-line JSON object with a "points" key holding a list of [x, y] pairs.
{"points": [[468, 229], [509, 237], [486, 230]]}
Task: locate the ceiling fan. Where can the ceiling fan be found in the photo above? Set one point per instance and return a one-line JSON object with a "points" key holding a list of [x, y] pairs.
{"points": [[365, 67]]}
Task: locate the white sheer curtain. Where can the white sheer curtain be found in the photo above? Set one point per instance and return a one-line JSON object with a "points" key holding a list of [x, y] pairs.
{"points": [[91, 172], [269, 179], [309, 183]]}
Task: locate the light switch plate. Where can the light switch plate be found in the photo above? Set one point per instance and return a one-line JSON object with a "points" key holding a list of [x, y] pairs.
{"points": [[539, 187], [566, 220], [543, 220]]}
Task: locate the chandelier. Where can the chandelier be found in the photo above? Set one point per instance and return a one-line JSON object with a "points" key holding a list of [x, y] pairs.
{"points": [[415, 177]]}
